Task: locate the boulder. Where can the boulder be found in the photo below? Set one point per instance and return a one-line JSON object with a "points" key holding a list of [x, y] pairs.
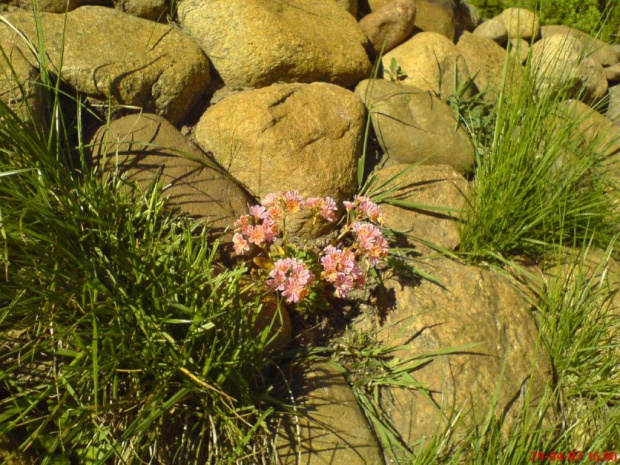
{"points": [[519, 48], [98, 59], [253, 43], [349, 5], [520, 23], [144, 145], [147, 9], [53, 6], [428, 186], [20, 86], [436, 16], [601, 52], [329, 427], [492, 30], [613, 107], [414, 126], [592, 129], [559, 62], [390, 25], [305, 137], [502, 357], [486, 61], [612, 73], [430, 62], [467, 17]]}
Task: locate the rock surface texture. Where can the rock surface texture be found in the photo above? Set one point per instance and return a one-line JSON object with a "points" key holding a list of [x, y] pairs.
{"points": [[304, 137], [438, 190], [413, 126], [472, 308], [390, 25], [147, 71], [253, 43], [144, 146]]}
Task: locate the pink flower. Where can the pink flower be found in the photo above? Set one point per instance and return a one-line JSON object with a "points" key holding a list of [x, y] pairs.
{"points": [[370, 241], [342, 270], [365, 209], [240, 244], [324, 206], [292, 277], [292, 201], [254, 234], [259, 212]]}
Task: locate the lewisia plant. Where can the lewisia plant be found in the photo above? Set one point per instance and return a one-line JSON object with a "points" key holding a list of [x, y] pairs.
{"points": [[341, 266]]}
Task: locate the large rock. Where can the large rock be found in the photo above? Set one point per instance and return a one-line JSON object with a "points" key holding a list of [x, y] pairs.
{"points": [[349, 5], [486, 61], [520, 23], [601, 52], [593, 130], [427, 186], [559, 62], [467, 17], [145, 145], [253, 43], [492, 30], [329, 427], [53, 6], [390, 25], [430, 62], [147, 9], [20, 86], [432, 15], [504, 358], [413, 126], [111, 55], [612, 73], [304, 137], [519, 48], [613, 107]]}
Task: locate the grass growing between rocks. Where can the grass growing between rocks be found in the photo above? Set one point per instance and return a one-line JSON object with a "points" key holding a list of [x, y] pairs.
{"points": [[121, 340]]}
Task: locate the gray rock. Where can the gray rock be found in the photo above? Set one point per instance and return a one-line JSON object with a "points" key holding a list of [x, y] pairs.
{"points": [[304, 137], [413, 126], [253, 43], [111, 55], [330, 428], [492, 30]]}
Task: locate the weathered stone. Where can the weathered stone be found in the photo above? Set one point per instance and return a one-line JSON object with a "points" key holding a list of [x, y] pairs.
{"points": [[467, 17], [427, 186], [613, 107], [304, 137], [436, 16], [144, 145], [278, 41], [349, 5], [601, 52], [593, 129], [519, 48], [492, 30], [503, 359], [98, 59], [389, 26], [413, 126], [559, 63], [53, 6], [486, 61], [430, 62], [520, 23], [612, 73], [20, 86], [330, 428], [147, 9]]}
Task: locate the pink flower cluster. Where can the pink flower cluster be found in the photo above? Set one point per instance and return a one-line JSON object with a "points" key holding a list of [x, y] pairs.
{"points": [[370, 242], [291, 277], [257, 228], [341, 269], [364, 208]]}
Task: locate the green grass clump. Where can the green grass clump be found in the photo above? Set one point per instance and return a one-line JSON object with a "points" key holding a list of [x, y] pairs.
{"points": [[120, 339], [535, 185]]}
